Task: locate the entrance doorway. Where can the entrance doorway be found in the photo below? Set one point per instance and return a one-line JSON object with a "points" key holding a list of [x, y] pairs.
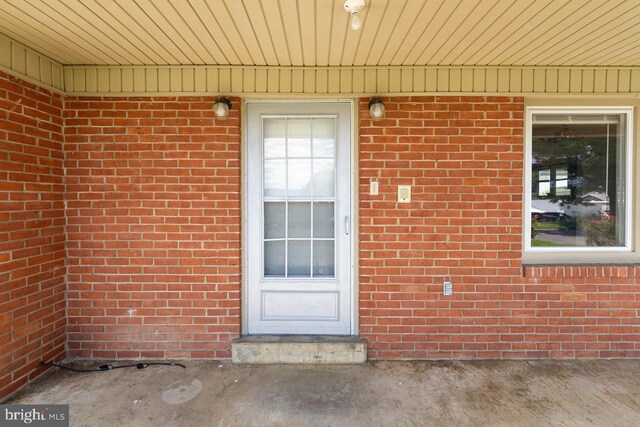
{"points": [[298, 218]]}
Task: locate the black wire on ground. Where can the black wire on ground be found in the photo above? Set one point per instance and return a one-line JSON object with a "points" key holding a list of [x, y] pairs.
{"points": [[103, 368]]}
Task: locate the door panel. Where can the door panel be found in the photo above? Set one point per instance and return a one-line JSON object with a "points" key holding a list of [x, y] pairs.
{"points": [[298, 217]]}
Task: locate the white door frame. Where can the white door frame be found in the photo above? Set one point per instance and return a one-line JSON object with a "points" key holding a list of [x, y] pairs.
{"points": [[354, 241]]}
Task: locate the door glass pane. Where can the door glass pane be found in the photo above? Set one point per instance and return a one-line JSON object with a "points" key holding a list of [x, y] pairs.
{"points": [[275, 132], [274, 220], [299, 138], [274, 258], [323, 259], [299, 169], [299, 258], [323, 178], [299, 178], [324, 137], [275, 183], [299, 220], [323, 220]]}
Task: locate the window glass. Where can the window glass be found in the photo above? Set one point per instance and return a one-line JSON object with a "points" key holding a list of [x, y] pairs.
{"points": [[578, 177]]}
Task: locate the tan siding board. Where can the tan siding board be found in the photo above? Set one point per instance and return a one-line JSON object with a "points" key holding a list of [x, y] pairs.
{"points": [[139, 82], [470, 17], [382, 81], [5, 53], [164, 80], [289, 15], [307, 31], [46, 76], [212, 79], [635, 81], [423, 45], [395, 80], [466, 80], [339, 31], [409, 27], [503, 80], [351, 80], [297, 81], [358, 80], [588, 81], [285, 81], [188, 80], [249, 80], [224, 79], [564, 80], [91, 75], [79, 80], [612, 81], [19, 59], [539, 80], [515, 80], [237, 79], [200, 79], [115, 80], [322, 80], [259, 26], [557, 27], [323, 17], [309, 81], [624, 81], [127, 80], [273, 81], [370, 80], [406, 80], [600, 81], [431, 80], [333, 85], [529, 21], [575, 77], [33, 65], [204, 33], [376, 29], [231, 32], [491, 80], [585, 38], [261, 80], [418, 79], [479, 79], [442, 80], [551, 81], [68, 80]]}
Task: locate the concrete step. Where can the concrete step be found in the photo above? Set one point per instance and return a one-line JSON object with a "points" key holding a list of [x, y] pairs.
{"points": [[298, 349]]}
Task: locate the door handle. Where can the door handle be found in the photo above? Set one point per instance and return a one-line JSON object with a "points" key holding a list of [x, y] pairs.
{"points": [[347, 225]]}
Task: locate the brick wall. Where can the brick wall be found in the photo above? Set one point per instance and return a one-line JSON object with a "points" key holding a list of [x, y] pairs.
{"points": [[32, 255], [463, 158], [153, 210]]}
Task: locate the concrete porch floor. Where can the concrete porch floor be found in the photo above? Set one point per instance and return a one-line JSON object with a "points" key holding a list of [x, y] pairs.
{"points": [[453, 393]]}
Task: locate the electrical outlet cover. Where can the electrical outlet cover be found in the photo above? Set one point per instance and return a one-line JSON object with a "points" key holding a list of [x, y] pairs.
{"points": [[373, 188], [404, 193]]}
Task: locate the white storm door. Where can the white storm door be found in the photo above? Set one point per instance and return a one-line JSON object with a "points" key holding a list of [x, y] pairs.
{"points": [[298, 209]]}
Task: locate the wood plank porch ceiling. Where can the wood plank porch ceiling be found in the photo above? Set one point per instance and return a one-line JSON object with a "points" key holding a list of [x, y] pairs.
{"points": [[316, 32]]}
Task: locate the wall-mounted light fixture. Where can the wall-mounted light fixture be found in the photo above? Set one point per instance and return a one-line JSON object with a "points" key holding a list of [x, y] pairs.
{"points": [[221, 108], [354, 7], [376, 109]]}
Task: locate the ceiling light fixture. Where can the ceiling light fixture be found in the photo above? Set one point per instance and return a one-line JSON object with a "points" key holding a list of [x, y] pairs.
{"points": [[376, 109], [221, 108], [354, 7]]}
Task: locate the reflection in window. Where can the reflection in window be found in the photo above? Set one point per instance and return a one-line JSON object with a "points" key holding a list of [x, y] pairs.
{"points": [[578, 180]]}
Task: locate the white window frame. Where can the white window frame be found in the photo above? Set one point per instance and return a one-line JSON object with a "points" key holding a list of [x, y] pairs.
{"points": [[629, 190]]}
